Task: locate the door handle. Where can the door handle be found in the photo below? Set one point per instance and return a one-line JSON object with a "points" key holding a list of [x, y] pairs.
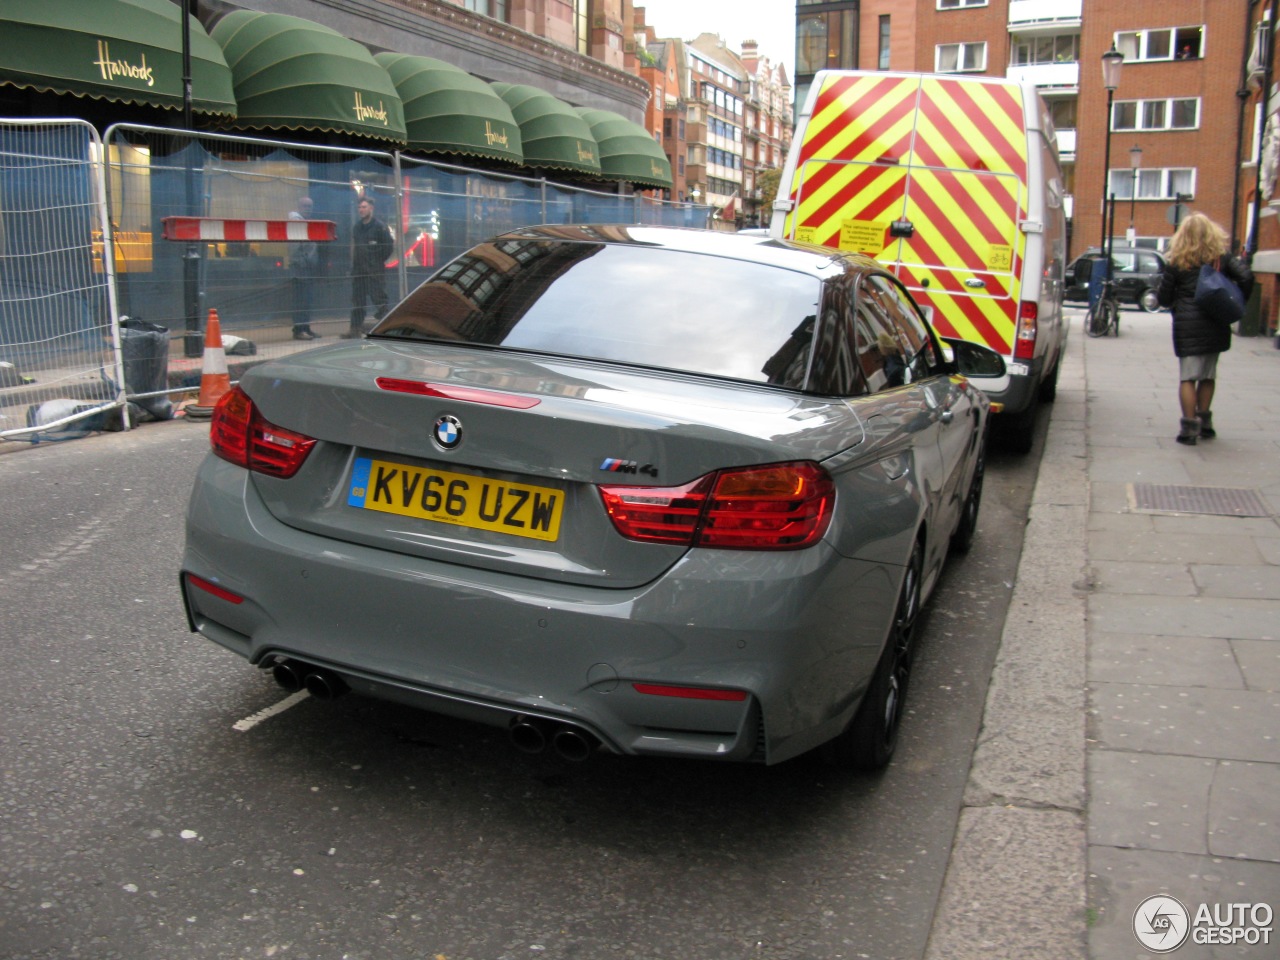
{"points": [[947, 416]]}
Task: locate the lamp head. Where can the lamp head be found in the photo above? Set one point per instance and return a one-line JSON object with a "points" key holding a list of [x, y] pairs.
{"points": [[1112, 61]]}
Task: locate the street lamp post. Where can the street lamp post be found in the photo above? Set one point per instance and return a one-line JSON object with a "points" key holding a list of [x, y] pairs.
{"points": [[1112, 61], [1135, 161]]}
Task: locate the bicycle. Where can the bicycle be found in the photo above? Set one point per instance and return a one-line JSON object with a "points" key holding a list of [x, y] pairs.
{"points": [[1104, 313]]}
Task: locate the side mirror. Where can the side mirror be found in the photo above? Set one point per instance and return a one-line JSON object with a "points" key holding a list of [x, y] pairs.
{"points": [[973, 359]]}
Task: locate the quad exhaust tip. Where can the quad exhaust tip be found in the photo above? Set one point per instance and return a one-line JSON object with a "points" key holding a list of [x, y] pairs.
{"points": [[534, 735], [527, 734], [294, 675]]}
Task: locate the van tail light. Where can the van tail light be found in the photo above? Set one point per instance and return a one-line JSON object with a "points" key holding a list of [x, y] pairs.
{"points": [[784, 506], [1024, 346], [239, 434]]}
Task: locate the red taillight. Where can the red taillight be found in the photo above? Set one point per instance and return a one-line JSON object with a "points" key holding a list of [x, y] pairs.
{"points": [[239, 433], [1024, 346], [783, 506]]}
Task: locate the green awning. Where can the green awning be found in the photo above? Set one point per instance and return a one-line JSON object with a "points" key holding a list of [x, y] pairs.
{"points": [[552, 133], [294, 74], [447, 110], [627, 150], [125, 50]]}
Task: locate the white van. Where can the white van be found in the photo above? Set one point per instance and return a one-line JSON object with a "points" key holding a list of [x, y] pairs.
{"points": [[952, 182]]}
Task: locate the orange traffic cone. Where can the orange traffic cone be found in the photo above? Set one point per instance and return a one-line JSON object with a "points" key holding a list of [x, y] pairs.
{"points": [[214, 379]]}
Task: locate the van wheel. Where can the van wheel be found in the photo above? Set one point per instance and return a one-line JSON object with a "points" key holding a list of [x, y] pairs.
{"points": [[1018, 430], [871, 737], [1049, 385], [1149, 301]]}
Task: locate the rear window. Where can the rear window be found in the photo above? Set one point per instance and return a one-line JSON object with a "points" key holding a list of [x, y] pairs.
{"points": [[631, 304]]}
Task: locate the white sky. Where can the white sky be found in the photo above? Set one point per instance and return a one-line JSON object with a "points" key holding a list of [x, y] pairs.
{"points": [[771, 23]]}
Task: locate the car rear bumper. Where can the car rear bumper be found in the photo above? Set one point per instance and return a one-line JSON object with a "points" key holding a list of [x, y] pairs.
{"points": [[797, 633], [1015, 391]]}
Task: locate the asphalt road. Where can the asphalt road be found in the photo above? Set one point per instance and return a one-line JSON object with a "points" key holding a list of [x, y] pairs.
{"points": [[138, 822]]}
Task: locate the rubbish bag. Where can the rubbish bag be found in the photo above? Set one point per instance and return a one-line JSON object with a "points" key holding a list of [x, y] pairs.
{"points": [[93, 418], [145, 349], [40, 414]]}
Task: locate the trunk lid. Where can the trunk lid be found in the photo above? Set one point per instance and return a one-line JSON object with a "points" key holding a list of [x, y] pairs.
{"points": [[508, 482]]}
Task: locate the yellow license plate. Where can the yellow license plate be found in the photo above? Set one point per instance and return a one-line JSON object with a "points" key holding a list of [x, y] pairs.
{"points": [[462, 499]]}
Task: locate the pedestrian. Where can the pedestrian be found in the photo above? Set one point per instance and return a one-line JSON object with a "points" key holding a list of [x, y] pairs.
{"points": [[1198, 338], [371, 245], [304, 264]]}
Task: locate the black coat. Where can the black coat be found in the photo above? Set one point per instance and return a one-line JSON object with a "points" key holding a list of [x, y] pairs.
{"points": [[370, 247], [1194, 334]]}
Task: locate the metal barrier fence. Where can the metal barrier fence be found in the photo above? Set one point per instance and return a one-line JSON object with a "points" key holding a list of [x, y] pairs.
{"points": [[137, 176], [60, 353]]}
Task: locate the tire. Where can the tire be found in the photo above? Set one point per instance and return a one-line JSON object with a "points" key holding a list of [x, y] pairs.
{"points": [[871, 737], [1095, 321], [1148, 300], [962, 539], [1113, 318], [1049, 385], [1018, 430]]}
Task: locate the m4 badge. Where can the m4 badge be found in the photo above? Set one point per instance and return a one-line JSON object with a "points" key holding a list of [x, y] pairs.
{"points": [[628, 466]]}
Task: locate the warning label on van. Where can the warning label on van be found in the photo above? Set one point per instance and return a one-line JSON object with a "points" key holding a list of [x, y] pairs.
{"points": [[999, 257], [863, 236]]}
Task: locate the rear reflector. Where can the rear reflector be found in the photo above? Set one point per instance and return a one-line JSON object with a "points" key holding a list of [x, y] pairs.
{"points": [[690, 693], [454, 392], [213, 588], [783, 506]]}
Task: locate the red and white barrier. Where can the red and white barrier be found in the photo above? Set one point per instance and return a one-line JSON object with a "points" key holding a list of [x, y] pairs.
{"points": [[217, 230]]}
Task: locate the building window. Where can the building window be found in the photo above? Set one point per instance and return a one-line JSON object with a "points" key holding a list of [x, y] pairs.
{"points": [[497, 9], [882, 63], [1181, 114], [826, 36], [960, 57], [957, 4], [582, 25], [1063, 112], [1172, 43], [1153, 184], [1029, 51]]}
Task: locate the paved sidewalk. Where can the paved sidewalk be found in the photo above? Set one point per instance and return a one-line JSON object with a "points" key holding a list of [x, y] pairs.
{"points": [[1131, 741]]}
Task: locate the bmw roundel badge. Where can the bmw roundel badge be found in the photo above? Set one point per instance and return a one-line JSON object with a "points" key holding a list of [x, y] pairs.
{"points": [[448, 432]]}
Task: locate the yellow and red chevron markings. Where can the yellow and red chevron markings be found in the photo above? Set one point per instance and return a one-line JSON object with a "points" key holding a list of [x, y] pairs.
{"points": [[966, 148]]}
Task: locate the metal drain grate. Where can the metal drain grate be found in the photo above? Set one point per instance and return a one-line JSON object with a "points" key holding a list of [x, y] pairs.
{"points": [[1217, 501]]}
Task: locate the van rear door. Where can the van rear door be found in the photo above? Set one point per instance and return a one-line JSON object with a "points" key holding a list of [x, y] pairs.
{"points": [[929, 176]]}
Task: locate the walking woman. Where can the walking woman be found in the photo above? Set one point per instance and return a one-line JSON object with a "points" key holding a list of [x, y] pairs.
{"points": [[1198, 338]]}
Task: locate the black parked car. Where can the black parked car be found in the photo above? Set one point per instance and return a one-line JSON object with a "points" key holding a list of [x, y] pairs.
{"points": [[1136, 271]]}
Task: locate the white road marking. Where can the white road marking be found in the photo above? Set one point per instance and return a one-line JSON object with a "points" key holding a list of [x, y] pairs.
{"points": [[248, 723]]}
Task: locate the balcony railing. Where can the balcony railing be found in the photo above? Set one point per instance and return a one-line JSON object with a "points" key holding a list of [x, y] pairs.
{"points": [[1024, 14], [1049, 76], [1067, 144]]}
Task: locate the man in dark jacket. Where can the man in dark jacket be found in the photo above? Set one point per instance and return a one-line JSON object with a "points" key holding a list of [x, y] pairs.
{"points": [[370, 247], [1198, 338]]}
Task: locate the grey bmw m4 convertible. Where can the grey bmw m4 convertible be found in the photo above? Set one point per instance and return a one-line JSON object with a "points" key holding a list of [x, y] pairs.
{"points": [[621, 489]]}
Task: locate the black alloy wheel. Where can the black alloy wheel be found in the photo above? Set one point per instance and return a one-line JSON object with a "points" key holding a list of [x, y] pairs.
{"points": [[871, 737], [962, 539]]}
